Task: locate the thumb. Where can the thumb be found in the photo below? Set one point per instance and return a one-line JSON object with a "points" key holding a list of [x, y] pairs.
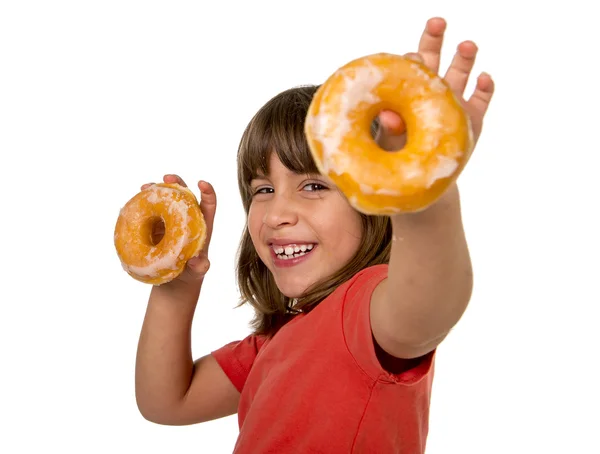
{"points": [[208, 205], [391, 134]]}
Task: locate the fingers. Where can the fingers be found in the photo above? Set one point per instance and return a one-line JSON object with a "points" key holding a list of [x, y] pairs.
{"points": [[198, 266], [414, 56], [170, 178], [430, 48], [481, 97], [208, 205], [208, 196], [430, 44], [459, 70], [478, 103]]}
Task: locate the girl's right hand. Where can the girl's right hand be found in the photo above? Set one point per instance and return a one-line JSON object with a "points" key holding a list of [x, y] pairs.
{"points": [[198, 266]]}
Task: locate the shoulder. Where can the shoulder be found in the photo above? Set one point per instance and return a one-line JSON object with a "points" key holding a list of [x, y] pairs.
{"points": [[236, 358], [363, 283], [247, 347], [358, 335], [372, 275]]}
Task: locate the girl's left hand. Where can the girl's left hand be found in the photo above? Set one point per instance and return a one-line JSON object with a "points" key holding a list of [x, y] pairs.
{"points": [[391, 133]]}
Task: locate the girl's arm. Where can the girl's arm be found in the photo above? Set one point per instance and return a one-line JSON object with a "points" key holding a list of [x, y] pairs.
{"points": [[170, 387], [429, 280], [429, 277]]}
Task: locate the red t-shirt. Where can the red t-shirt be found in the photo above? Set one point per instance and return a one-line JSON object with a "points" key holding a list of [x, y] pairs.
{"points": [[318, 386]]}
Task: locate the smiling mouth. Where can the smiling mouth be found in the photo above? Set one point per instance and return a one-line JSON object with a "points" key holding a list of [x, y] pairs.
{"points": [[292, 251]]}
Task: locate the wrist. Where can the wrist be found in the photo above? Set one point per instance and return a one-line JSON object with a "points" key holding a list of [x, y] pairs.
{"points": [[177, 292], [448, 204]]}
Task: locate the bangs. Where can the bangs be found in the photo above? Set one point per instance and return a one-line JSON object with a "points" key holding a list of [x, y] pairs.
{"points": [[277, 127]]}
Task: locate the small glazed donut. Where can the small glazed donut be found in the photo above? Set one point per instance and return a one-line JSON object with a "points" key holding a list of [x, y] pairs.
{"points": [[375, 181], [184, 232]]}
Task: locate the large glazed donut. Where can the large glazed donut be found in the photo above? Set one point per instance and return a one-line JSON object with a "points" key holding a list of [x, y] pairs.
{"points": [[184, 233], [439, 136]]}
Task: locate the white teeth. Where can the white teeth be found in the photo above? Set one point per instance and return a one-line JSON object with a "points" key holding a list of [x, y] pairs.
{"points": [[292, 251], [287, 257]]}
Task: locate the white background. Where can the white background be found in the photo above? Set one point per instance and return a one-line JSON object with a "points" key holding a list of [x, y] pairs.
{"points": [[97, 98]]}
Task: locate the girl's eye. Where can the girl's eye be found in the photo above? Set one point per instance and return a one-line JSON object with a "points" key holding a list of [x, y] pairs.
{"points": [[263, 190], [314, 187]]}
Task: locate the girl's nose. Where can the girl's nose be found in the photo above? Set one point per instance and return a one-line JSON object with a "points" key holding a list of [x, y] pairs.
{"points": [[280, 212]]}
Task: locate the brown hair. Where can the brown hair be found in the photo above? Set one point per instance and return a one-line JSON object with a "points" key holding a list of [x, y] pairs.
{"points": [[278, 127]]}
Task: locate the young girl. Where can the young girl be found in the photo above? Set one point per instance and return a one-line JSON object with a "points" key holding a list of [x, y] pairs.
{"points": [[349, 308]]}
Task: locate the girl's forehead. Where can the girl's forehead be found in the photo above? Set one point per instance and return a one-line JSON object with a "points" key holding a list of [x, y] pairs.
{"points": [[286, 161], [271, 163]]}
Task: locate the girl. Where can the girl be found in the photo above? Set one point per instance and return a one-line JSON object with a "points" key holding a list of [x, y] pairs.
{"points": [[349, 308]]}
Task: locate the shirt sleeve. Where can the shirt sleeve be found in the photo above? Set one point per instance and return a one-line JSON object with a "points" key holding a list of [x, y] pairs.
{"points": [[236, 358], [356, 322]]}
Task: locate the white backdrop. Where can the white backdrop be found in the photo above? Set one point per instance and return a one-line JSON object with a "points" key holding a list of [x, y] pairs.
{"points": [[97, 98]]}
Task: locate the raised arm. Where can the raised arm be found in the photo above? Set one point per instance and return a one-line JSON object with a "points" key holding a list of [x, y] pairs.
{"points": [[171, 388], [430, 276]]}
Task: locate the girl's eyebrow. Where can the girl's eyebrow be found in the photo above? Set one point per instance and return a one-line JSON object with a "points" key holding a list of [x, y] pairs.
{"points": [[255, 180]]}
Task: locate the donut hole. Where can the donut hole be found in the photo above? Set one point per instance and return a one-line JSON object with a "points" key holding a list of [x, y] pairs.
{"points": [[154, 230], [397, 127]]}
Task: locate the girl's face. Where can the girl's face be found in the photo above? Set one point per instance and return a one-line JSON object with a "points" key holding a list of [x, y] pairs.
{"points": [[302, 227]]}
